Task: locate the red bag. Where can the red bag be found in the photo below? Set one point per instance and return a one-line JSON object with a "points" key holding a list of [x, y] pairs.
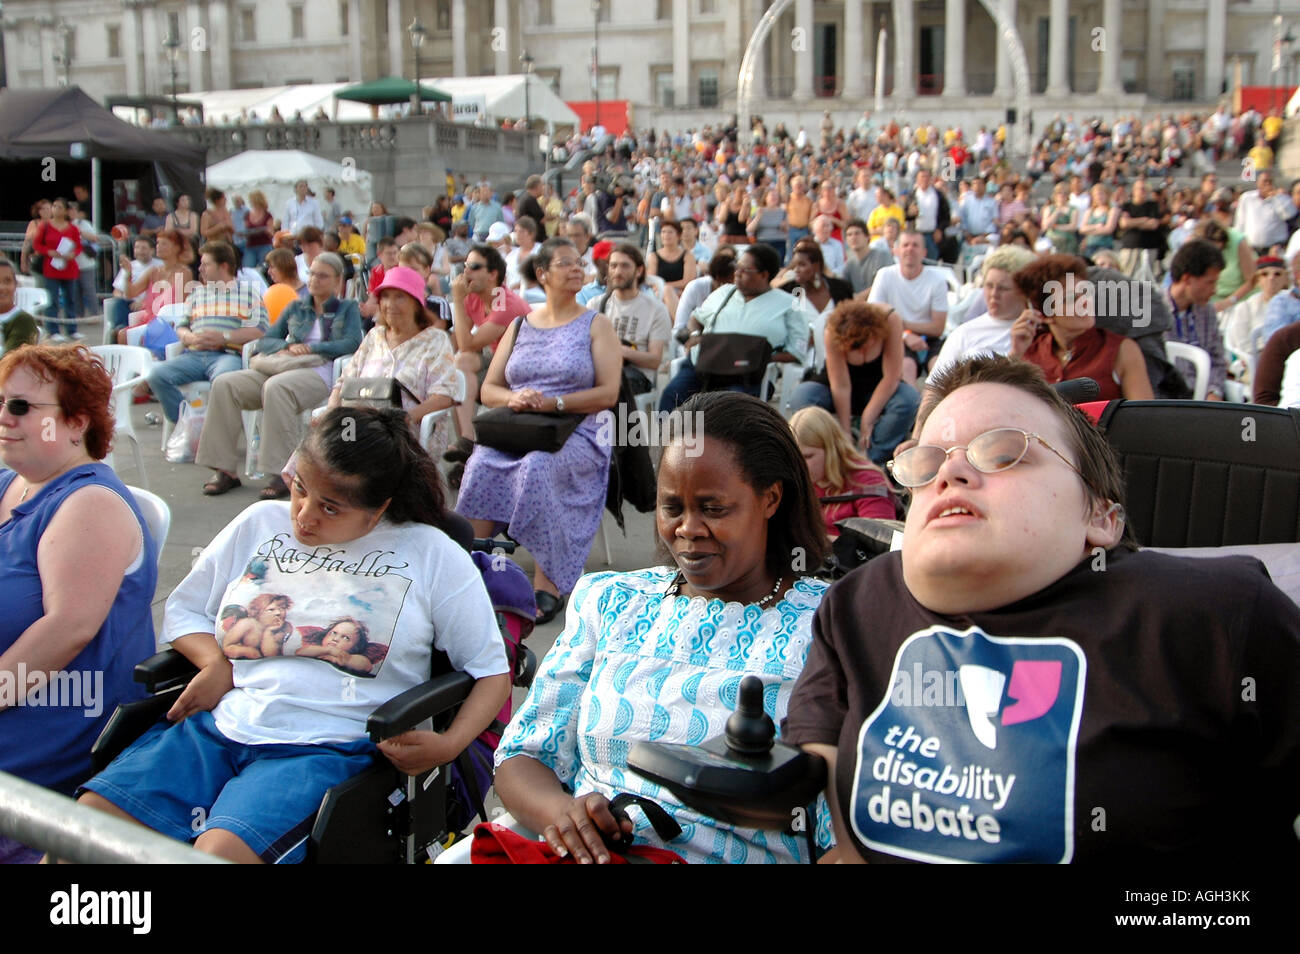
{"points": [[497, 845]]}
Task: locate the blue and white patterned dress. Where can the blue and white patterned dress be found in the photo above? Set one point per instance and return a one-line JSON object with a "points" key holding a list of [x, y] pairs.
{"points": [[633, 664]]}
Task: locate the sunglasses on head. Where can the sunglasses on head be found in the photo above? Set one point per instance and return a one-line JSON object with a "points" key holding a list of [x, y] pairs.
{"points": [[19, 407], [990, 453]]}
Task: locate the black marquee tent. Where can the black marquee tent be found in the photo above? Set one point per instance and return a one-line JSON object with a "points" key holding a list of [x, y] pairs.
{"points": [[53, 139]]}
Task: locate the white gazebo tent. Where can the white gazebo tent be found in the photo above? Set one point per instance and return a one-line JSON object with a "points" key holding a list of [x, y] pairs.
{"points": [[274, 171]]}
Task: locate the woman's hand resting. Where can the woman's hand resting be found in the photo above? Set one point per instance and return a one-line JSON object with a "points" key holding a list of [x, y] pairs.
{"points": [[582, 828], [527, 399], [204, 690]]}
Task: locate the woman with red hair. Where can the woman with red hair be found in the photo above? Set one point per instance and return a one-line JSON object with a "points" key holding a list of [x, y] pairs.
{"points": [[79, 570]]}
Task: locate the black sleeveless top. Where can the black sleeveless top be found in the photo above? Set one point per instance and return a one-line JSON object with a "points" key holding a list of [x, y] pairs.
{"points": [[863, 379], [732, 226], [671, 271]]}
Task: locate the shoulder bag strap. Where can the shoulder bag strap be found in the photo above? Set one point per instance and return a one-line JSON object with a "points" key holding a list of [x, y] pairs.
{"points": [[712, 321]]}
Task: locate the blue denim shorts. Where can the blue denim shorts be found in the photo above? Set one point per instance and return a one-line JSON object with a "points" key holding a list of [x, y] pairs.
{"points": [[182, 779]]}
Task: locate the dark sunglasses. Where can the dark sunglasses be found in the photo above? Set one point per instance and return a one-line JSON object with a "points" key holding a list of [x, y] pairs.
{"points": [[19, 407], [474, 266]]}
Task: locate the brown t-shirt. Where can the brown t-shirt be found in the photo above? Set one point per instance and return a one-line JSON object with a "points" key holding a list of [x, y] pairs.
{"points": [[1147, 710], [1272, 363]]}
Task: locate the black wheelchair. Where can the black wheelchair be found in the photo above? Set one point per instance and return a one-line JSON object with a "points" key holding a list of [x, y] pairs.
{"points": [[380, 816]]}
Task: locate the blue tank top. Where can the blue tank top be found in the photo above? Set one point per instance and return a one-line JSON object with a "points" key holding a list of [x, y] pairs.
{"points": [[49, 744]]}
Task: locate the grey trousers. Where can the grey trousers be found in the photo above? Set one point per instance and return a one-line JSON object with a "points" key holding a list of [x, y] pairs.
{"points": [[282, 400]]}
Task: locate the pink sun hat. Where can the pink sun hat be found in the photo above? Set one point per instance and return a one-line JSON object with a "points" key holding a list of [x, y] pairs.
{"points": [[406, 280]]}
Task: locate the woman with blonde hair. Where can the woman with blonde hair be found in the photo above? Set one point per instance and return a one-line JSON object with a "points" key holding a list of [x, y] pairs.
{"points": [[837, 468]]}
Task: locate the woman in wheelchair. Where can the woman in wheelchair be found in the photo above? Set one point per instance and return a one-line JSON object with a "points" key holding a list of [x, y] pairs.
{"points": [[1030, 689], [658, 654], [257, 738]]}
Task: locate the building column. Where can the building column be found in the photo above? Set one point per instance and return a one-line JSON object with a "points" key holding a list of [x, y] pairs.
{"points": [[156, 76], [854, 87], [1157, 82], [396, 37], [195, 59], [1216, 28], [904, 44], [954, 48], [49, 72], [356, 70], [131, 42], [1113, 25], [459, 38], [681, 54], [756, 10], [1005, 85], [219, 43], [803, 57], [1058, 83], [501, 15]]}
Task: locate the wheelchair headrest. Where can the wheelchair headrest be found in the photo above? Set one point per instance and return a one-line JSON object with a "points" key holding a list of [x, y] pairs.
{"points": [[459, 529]]}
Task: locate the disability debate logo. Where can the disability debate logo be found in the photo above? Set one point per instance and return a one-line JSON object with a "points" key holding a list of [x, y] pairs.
{"points": [[971, 756]]}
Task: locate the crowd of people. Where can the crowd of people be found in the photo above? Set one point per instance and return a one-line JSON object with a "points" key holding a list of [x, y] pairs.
{"points": [[904, 294]]}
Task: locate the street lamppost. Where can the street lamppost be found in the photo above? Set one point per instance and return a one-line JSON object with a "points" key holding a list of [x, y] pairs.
{"points": [[173, 47], [595, 55], [418, 36], [4, 67], [528, 61]]}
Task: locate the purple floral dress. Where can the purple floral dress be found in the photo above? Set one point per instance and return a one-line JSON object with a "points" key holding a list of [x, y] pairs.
{"points": [[551, 502]]}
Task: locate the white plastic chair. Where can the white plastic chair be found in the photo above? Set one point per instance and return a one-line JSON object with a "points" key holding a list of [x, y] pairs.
{"points": [[32, 300], [157, 515], [127, 366], [429, 421], [1199, 358]]}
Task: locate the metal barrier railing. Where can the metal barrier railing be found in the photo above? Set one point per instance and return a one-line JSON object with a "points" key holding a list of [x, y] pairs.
{"points": [[55, 824]]}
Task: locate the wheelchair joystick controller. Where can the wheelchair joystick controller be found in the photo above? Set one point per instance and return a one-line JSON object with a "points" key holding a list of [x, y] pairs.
{"points": [[743, 777], [749, 729]]}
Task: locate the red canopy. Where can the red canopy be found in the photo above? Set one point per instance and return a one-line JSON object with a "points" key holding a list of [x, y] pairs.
{"points": [[1264, 98], [615, 115]]}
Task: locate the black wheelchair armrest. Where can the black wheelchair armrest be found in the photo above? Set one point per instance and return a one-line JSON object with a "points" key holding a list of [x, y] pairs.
{"points": [[407, 710], [164, 670]]}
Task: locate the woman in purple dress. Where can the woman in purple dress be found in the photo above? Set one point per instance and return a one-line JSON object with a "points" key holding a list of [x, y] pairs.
{"points": [[562, 357]]}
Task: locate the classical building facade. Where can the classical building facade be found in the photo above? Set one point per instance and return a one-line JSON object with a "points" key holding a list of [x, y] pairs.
{"points": [[676, 61]]}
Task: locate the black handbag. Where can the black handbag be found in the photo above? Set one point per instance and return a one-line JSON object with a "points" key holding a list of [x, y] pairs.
{"points": [[374, 392], [521, 432], [728, 359]]}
